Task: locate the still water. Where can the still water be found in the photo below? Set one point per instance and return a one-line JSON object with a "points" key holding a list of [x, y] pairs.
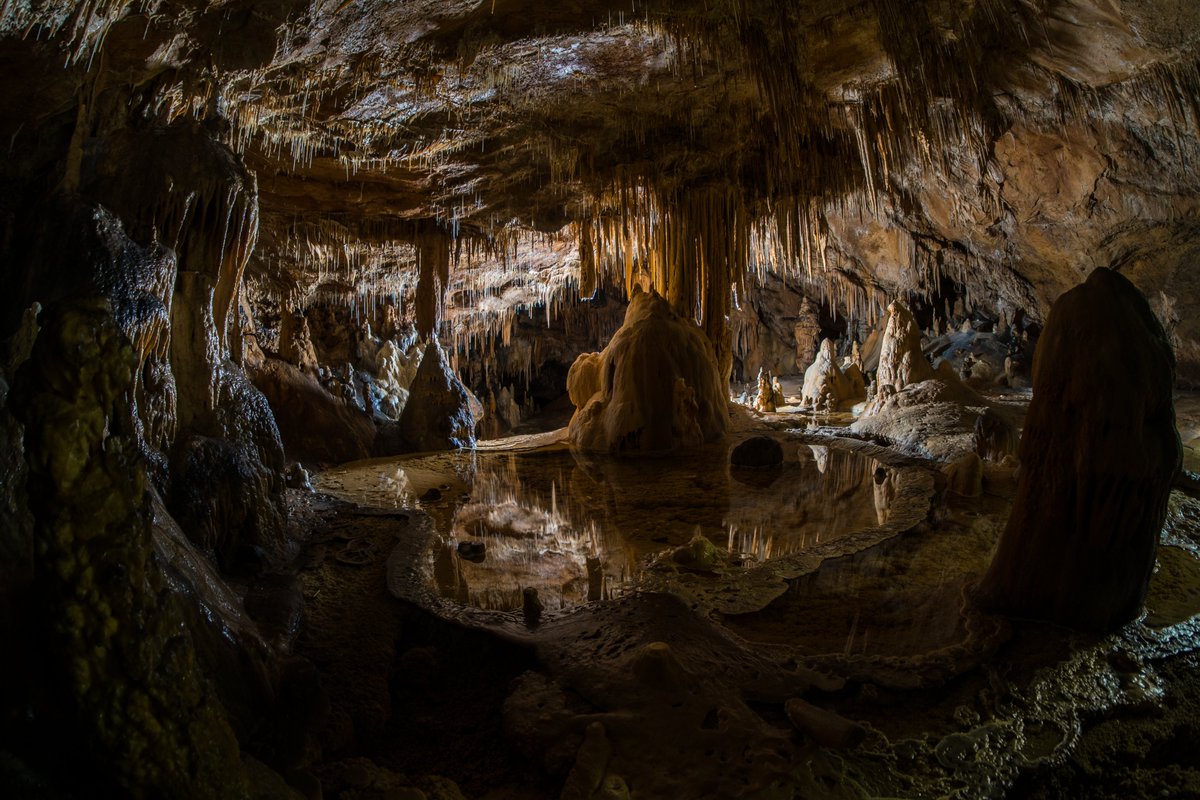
{"points": [[581, 529]]}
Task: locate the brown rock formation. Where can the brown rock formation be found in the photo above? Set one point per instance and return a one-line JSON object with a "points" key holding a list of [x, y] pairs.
{"points": [[901, 361], [1098, 456], [826, 386], [437, 415], [659, 388]]}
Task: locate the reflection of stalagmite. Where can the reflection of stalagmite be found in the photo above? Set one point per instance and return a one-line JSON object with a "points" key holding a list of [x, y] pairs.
{"points": [[1098, 455], [884, 491], [655, 387]]}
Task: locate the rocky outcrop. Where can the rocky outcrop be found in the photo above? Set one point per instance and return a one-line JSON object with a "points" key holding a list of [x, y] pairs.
{"points": [[438, 413], [901, 360], [1098, 456], [112, 629], [808, 333], [658, 386], [313, 424]]}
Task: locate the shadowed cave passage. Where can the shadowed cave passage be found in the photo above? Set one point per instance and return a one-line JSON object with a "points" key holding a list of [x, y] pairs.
{"points": [[506, 400]]}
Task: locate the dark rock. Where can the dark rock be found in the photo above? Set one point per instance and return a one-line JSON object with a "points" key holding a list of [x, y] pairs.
{"points": [[531, 607], [472, 551], [431, 496], [757, 451], [223, 497], [437, 415], [314, 425], [297, 477], [1098, 455]]}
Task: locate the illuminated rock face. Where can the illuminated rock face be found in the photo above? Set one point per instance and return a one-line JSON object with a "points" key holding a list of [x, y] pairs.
{"points": [[901, 361], [826, 385], [1098, 455], [658, 386]]}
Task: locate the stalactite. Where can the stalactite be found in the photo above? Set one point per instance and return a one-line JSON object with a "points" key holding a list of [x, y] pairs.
{"points": [[433, 264]]}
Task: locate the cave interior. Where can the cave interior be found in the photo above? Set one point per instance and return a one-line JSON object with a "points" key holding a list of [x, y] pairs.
{"points": [[599, 399]]}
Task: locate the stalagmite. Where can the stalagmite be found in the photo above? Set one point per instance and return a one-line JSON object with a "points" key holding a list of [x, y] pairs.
{"points": [[826, 386], [437, 415], [808, 334], [901, 361], [659, 388], [1098, 455]]}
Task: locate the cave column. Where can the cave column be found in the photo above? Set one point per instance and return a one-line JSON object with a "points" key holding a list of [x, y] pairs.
{"points": [[433, 265]]}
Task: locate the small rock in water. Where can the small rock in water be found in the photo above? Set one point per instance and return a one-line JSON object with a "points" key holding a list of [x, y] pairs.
{"points": [[472, 551]]}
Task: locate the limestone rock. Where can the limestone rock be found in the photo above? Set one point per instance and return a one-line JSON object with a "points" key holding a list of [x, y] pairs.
{"points": [[1098, 455], [437, 415], [964, 475], [901, 361], [295, 341], [826, 386], [764, 401], [313, 424], [659, 388], [808, 334]]}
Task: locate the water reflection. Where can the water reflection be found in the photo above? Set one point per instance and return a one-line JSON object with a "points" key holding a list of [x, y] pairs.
{"points": [[581, 529]]}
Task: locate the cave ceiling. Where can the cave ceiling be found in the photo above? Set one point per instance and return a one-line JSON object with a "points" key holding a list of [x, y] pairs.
{"points": [[869, 147]]}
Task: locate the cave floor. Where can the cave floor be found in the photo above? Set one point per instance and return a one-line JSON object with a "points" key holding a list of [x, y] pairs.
{"points": [[663, 687]]}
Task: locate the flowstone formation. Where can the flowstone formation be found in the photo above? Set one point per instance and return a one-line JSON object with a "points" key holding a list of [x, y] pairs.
{"points": [[1098, 455], [655, 389], [127, 671]]}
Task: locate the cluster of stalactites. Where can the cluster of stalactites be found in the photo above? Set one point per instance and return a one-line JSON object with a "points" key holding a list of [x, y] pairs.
{"points": [[698, 248], [84, 22]]}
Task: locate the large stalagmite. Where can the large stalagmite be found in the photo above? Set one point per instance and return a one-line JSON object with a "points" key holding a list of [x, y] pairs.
{"points": [[654, 389], [437, 415], [1098, 455]]}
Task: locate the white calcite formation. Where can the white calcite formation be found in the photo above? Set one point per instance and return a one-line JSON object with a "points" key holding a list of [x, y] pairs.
{"points": [[827, 386], [901, 361], [654, 389]]}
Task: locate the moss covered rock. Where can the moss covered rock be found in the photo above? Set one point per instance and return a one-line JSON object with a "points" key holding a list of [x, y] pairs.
{"points": [[127, 667]]}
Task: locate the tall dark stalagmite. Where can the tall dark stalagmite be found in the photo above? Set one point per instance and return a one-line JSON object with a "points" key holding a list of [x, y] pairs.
{"points": [[1098, 455]]}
